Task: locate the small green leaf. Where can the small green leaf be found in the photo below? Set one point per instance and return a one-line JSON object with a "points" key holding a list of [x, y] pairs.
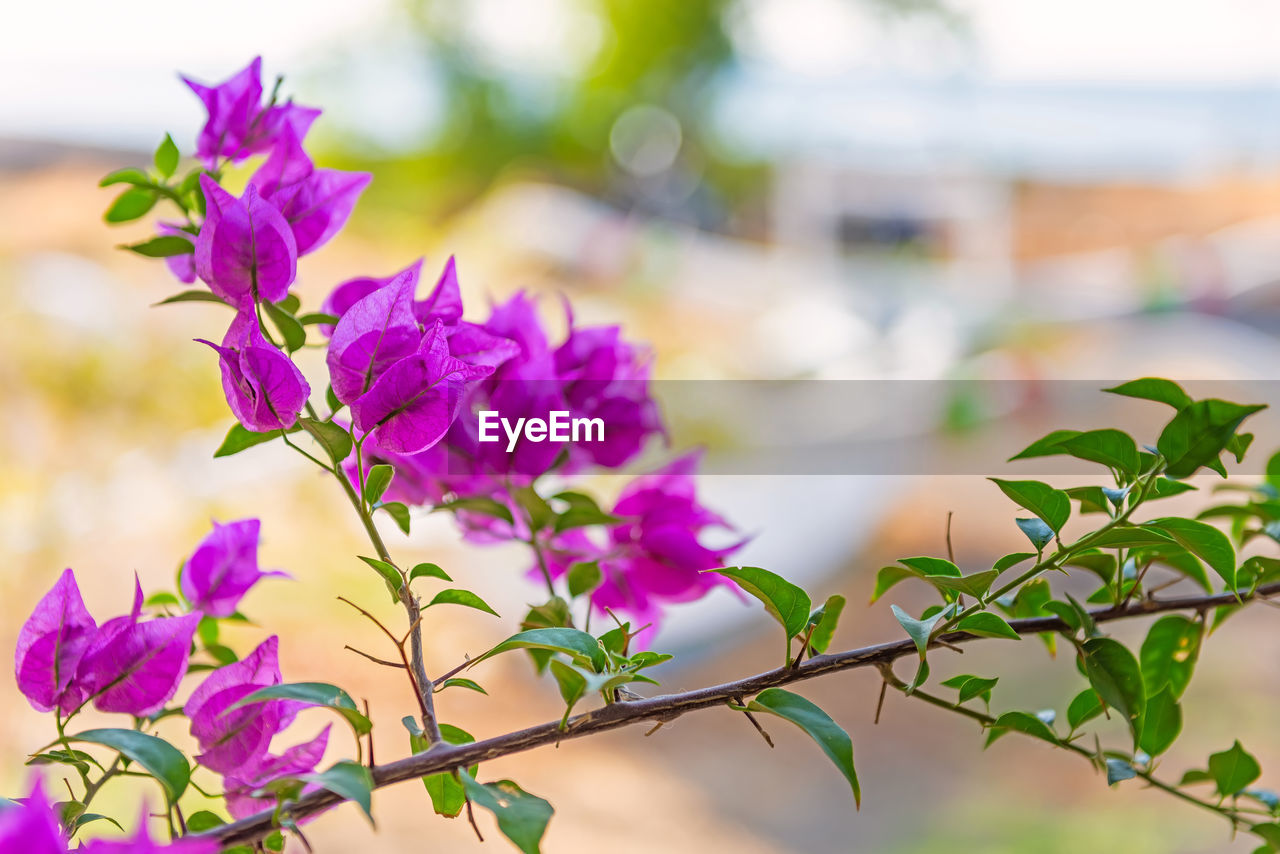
{"points": [[976, 686], [1202, 540], [128, 175], [1011, 560], [1161, 723], [573, 685], [335, 440], [536, 509], [975, 585], [166, 158], [1233, 769], [1153, 388], [1037, 532], [1026, 723], [315, 694], [192, 296], [1053, 506], [1169, 652], [132, 204], [824, 621], [1128, 537], [485, 506], [888, 577], [833, 740], [784, 601], [1049, 446], [454, 596], [459, 682], [445, 789], [390, 574], [428, 570], [199, 822], [583, 577], [988, 625], [575, 643], [350, 780], [1092, 499], [165, 246], [377, 481], [398, 512], [1116, 676], [1084, 707], [164, 761], [1111, 448], [314, 317], [522, 817], [583, 511], [294, 335], [238, 438]]}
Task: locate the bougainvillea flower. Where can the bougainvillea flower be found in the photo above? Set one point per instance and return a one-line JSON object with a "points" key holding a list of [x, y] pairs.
{"points": [[315, 202], [444, 303], [239, 124], [134, 667], [51, 645], [264, 388], [182, 266], [244, 783], [654, 556], [245, 250], [223, 568], [372, 335], [410, 406], [231, 741], [352, 291], [31, 826]]}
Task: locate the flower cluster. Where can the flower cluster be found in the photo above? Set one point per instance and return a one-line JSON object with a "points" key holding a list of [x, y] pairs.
{"points": [[65, 660]]}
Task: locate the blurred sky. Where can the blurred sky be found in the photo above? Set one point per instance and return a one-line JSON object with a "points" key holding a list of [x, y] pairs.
{"points": [[85, 70]]}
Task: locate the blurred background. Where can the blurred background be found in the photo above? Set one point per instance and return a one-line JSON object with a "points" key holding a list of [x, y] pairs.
{"points": [[765, 189]]}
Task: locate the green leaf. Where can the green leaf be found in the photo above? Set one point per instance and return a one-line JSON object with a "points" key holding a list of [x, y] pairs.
{"points": [[1111, 448], [1176, 558], [825, 620], [888, 577], [1116, 676], [445, 790], [1046, 447], [377, 481], [1011, 560], [1165, 488], [988, 625], [784, 601], [1270, 833], [976, 686], [537, 510], [485, 506], [161, 759], [238, 438], [166, 158], [575, 643], [294, 335], [454, 596], [398, 512], [165, 246], [833, 740], [1233, 769], [975, 585], [1128, 537], [573, 685], [1153, 388], [522, 817], [428, 570], [1099, 563], [1026, 723], [314, 317], [1037, 531], [349, 780], [1202, 540], [315, 694], [1092, 499], [1118, 770], [1084, 707], [460, 682], [919, 631], [390, 574], [1168, 655], [1053, 506], [192, 296], [1199, 433], [130, 205], [1161, 723], [199, 822], [335, 440], [582, 512], [128, 175], [583, 577]]}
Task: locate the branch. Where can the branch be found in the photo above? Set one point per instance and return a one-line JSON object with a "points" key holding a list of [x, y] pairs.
{"points": [[444, 757]]}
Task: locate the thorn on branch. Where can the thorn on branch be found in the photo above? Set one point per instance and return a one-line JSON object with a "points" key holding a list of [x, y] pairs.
{"points": [[375, 658], [884, 689], [754, 722], [471, 818]]}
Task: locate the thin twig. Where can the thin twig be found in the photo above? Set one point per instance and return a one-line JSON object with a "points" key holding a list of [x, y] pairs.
{"points": [[375, 658]]}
